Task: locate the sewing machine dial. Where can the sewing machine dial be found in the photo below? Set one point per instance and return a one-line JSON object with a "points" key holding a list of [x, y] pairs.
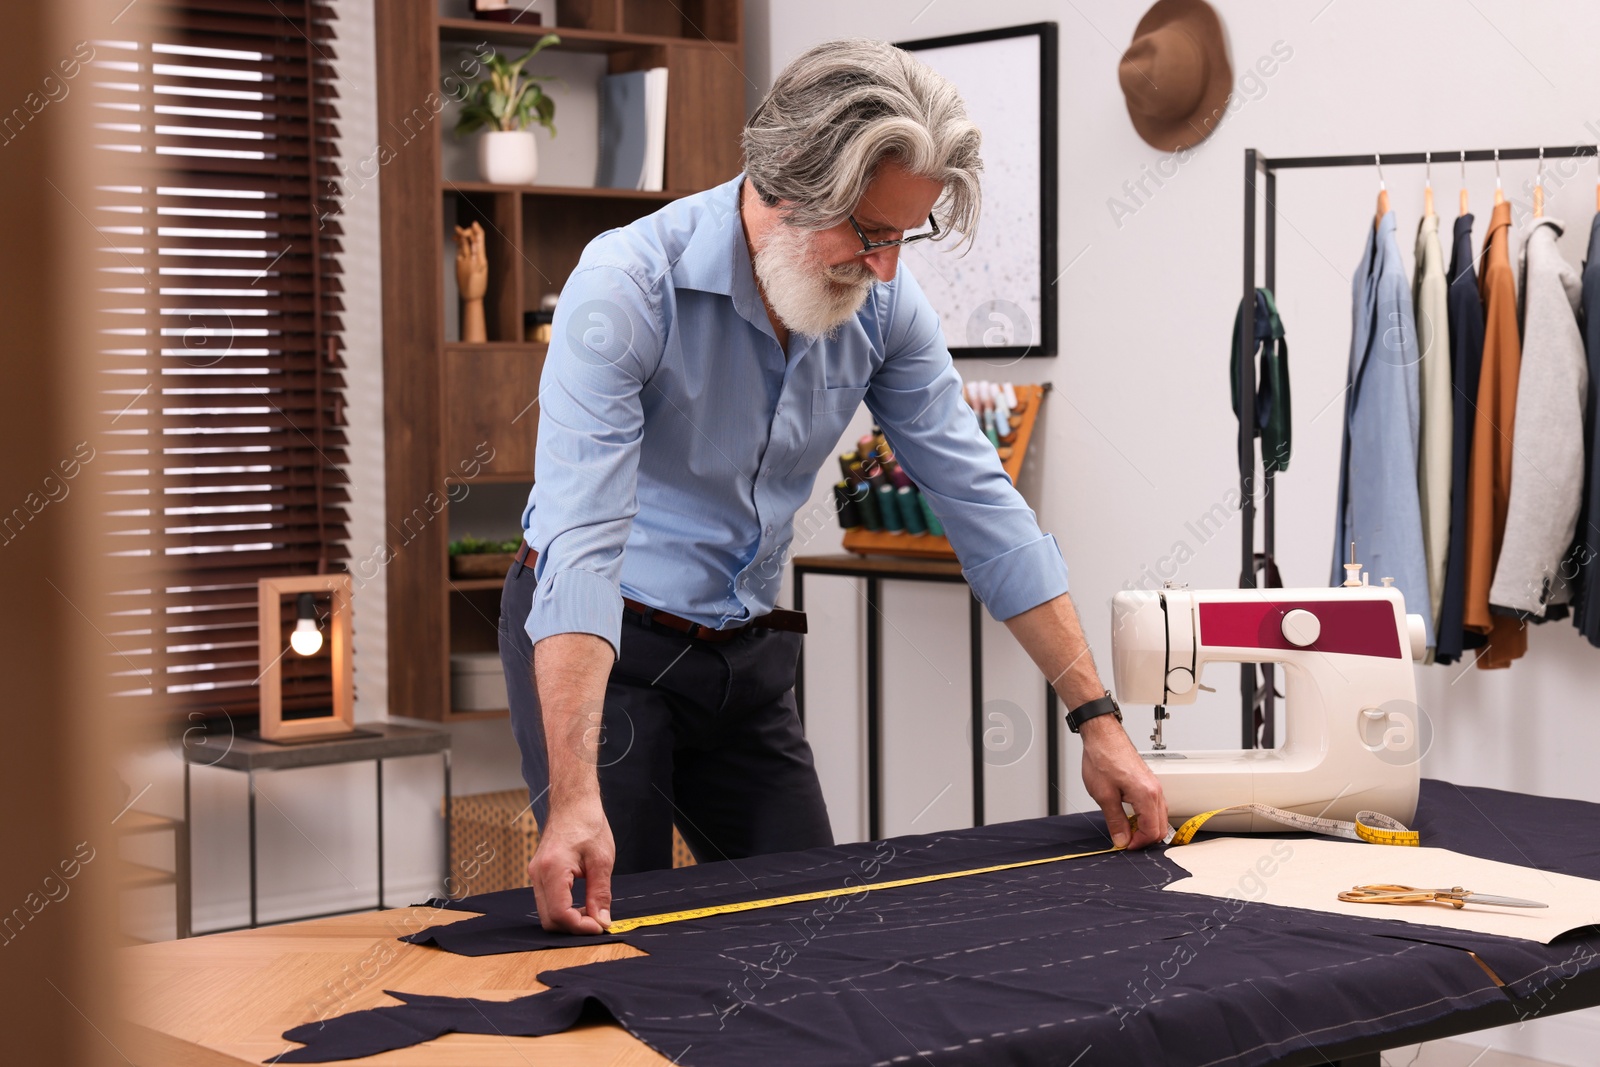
{"points": [[1301, 628]]}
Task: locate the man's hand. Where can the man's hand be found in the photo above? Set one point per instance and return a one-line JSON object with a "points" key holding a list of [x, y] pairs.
{"points": [[574, 842], [570, 671], [1114, 773]]}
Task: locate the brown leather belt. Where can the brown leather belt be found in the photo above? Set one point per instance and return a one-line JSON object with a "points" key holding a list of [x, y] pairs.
{"points": [[777, 619]]}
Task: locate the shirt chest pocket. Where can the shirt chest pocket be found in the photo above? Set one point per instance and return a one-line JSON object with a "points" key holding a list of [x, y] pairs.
{"points": [[831, 411]]}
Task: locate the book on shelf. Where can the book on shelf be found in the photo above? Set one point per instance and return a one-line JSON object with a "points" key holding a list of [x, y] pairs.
{"points": [[633, 130]]}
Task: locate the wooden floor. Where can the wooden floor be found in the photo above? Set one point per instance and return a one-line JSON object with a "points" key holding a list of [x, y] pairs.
{"points": [[226, 999]]}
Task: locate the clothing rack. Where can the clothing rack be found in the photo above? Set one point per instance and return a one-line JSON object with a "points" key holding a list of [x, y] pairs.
{"points": [[1262, 170]]}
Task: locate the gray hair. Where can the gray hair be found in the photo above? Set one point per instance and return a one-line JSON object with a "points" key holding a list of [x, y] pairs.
{"points": [[842, 108]]}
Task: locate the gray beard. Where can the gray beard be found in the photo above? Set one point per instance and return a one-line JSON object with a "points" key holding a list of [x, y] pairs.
{"points": [[806, 296]]}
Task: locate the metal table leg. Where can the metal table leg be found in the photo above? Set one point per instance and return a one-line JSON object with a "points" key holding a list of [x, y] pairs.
{"points": [[252, 776], [874, 714], [378, 763], [1052, 740], [800, 663], [181, 860], [449, 818], [975, 636]]}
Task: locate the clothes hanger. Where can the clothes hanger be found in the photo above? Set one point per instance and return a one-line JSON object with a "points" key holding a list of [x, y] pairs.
{"points": [[1427, 187], [1383, 193], [1538, 187], [1464, 181], [1499, 193]]}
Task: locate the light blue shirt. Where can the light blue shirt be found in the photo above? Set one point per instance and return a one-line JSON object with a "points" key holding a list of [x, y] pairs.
{"points": [[677, 441]]}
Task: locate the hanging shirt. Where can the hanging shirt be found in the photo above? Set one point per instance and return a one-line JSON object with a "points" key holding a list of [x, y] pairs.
{"points": [[1489, 472], [1466, 361], [1586, 593], [1430, 300], [677, 438], [1378, 504], [1535, 572]]}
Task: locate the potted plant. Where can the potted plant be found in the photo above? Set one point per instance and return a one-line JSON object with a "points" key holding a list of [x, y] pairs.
{"points": [[475, 557], [504, 105]]}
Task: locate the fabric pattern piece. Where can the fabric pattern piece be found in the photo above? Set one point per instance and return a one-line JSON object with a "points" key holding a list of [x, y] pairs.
{"points": [[1082, 959], [1489, 475], [1586, 596], [1378, 506], [1466, 363], [1430, 300], [1534, 574]]}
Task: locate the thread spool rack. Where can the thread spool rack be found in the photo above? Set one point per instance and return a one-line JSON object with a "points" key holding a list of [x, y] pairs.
{"points": [[864, 542]]}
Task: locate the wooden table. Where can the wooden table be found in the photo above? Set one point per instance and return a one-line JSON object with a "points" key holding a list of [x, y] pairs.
{"points": [[226, 999]]}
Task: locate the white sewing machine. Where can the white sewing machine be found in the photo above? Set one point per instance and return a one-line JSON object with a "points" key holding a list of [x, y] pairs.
{"points": [[1351, 716]]}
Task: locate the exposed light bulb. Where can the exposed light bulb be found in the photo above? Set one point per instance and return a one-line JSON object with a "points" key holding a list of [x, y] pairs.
{"points": [[306, 638]]}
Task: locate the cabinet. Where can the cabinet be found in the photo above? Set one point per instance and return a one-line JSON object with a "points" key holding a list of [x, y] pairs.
{"points": [[461, 419]]}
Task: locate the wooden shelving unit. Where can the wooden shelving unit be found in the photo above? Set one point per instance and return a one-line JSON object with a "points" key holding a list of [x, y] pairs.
{"points": [[450, 404]]}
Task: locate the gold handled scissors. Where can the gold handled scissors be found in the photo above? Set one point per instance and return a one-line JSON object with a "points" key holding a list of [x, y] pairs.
{"points": [[1455, 897]]}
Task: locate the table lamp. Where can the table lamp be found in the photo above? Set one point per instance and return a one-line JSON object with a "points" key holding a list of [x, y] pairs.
{"points": [[308, 661]]}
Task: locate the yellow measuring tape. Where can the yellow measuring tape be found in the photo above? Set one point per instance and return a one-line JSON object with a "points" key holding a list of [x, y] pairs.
{"points": [[1369, 826]]}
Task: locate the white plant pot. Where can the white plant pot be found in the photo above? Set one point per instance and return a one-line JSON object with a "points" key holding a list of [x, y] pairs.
{"points": [[508, 157]]}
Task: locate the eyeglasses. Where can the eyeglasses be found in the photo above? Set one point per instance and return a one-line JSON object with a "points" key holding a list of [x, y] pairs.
{"points": [[869, 247]]}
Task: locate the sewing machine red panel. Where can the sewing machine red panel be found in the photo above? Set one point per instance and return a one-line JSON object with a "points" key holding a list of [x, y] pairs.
{"points": [[1354, 627]]}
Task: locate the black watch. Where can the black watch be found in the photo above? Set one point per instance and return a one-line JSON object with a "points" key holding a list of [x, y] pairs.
{"points": [[1106, 705]]}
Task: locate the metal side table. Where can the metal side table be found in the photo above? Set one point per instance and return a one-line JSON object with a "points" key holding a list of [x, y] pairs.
{"points": [[875, 570], [372, 741]]}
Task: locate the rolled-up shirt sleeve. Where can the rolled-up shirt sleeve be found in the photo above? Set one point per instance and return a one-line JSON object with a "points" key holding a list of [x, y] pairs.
{"points": [[916, 397], [605, 343]]}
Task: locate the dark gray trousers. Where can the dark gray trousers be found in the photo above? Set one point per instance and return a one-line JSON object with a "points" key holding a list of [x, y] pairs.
{"points": [[698, 735]]}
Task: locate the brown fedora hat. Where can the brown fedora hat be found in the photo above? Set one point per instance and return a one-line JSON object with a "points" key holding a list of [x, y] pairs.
{"points": [[1175, 75]]}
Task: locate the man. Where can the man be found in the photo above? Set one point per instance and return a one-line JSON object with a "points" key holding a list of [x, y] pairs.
{"points": [[705, 362]]}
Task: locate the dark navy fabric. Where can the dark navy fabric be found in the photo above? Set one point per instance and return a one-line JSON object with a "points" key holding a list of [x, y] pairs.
{"points": [[1465, 308], [1085, 961], [1586, 590]]}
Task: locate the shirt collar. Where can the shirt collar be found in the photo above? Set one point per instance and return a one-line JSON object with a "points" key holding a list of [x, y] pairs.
{"points": [[715, 253]]}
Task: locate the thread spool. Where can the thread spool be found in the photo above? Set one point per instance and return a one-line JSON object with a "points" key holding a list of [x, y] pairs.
{"points": [[889, 508], [929, 519], [849, 512], [867, 504], [910, 511]]}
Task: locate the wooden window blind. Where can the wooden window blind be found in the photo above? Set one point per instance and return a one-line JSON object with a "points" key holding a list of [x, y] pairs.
{"points": [[225, 421]]}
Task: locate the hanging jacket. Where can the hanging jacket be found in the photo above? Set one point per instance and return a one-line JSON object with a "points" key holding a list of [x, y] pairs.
{"points": [[1272, 409], [1535, 571], [1378, 506], [1586, 594], [1489, 471], [1466, 360], [1429, 299]]}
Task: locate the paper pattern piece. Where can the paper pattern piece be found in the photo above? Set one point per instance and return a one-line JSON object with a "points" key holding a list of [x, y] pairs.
{"points": [[1310, 874]]}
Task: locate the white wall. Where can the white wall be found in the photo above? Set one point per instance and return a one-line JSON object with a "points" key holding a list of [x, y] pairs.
{"points": [[1140, 438]]}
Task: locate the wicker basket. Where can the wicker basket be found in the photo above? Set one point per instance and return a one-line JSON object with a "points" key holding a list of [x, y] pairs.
{"points": [[492, 838]]}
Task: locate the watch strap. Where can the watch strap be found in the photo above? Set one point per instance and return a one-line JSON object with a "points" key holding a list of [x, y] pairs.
{"points": [[1081, 714]]}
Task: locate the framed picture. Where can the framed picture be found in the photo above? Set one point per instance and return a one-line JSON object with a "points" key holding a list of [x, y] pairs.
{"points": [[997, 298]]}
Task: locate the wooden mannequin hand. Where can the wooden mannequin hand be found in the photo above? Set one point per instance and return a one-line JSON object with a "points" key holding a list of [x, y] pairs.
{"points": [[472, 264]]}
